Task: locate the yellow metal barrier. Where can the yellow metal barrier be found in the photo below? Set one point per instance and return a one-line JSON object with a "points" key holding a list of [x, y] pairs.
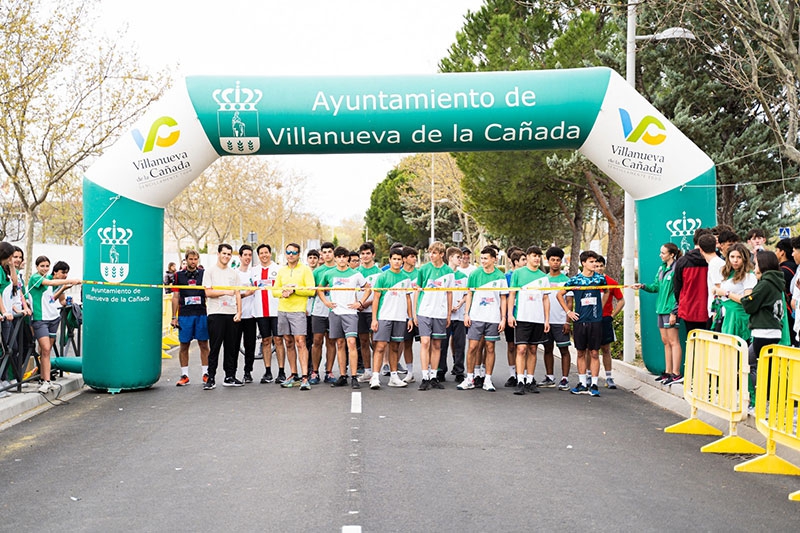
{"points": [[777, 406], [715, 381], [169, 335]]}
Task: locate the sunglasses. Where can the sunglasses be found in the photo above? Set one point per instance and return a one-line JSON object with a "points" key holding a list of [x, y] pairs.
{"points": [[291, 252]]}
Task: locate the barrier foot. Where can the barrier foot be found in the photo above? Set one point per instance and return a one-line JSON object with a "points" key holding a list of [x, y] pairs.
{"points": [[768, 464], [732, 444], [795, 496], [165, 355], [693, 426]]}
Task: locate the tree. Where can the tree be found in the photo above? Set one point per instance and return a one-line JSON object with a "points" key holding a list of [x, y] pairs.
{"points": [[690, 85], [65, 96], [515, 35], [239, 194], [754, 45], [450, 209], [385, 215]]}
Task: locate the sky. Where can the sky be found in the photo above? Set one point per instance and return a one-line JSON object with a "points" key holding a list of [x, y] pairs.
{"points": [[310, 37]]}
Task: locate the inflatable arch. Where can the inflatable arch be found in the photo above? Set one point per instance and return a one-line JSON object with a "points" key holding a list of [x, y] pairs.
{"points": [[591, 110]]}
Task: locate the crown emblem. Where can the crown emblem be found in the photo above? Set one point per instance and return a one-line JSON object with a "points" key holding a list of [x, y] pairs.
{"points": [[114, 252], [114, 235], [237, 98], [683, 227]]}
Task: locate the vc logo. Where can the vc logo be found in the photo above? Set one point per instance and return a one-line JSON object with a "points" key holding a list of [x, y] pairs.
{"points": [[153, 138], [633, 135]]}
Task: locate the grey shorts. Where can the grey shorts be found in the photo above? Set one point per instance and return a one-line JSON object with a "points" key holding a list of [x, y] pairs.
{"points": [[390, 331], [319, 325], [663, 322], [557, 335], [292, 323], [435, 328], [45, 328], [487, 330], [343, 326]]}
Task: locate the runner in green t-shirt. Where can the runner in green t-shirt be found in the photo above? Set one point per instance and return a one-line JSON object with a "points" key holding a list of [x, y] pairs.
{"points": [[46, 313]]}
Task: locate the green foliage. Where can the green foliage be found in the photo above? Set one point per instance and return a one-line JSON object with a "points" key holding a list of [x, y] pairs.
{"points": [[385, 216], [515, 195], [688, 84]]}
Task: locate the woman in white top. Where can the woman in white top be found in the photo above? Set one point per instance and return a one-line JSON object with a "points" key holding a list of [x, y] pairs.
{"points": [[737, 279]]}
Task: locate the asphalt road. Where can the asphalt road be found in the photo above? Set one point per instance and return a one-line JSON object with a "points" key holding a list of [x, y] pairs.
{"points": [[262, 458]]}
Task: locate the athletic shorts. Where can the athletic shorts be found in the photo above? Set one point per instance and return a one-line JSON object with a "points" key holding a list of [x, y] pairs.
{"points": [[267, 326], [390, 331], [608, 331], [343, 326], [435, 328], [663, 322], [292, 323], [192, 327], [412, 335], [319, 324], [364, 322], [509, 333], [557, 335], [529, 333], [587, 335], [487, 330], [49, 328]]}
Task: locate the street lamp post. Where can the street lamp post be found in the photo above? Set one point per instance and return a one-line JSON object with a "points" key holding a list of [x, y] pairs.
{"points": [[433, 203], [629, 247]]}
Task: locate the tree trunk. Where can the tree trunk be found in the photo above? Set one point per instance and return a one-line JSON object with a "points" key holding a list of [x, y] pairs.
{"points": [[577, 233], [30, 218]]}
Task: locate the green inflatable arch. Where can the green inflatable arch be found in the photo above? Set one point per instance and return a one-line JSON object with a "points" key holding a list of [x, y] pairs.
{"points": [[590, 110]]}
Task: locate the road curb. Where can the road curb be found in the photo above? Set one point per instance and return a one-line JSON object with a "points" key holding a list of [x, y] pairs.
{"points": [[22, 405]]}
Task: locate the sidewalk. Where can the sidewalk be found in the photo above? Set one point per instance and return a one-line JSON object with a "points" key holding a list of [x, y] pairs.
{"points": [[20, 406]]}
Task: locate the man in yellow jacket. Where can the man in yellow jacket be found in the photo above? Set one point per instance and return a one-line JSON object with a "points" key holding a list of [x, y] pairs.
{"points": [[293, 286]]}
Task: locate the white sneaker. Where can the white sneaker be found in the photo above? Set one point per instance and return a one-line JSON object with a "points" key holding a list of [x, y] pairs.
{"points": [[488, 385], [395, 381], [409, 378], [365, 378], [46, 387], [467, 384], [375, 381]]}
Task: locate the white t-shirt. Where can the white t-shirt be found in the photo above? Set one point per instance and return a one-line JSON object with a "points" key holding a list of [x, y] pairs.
{"points": [[714, 278], [246, 279], [264, 303], [218, 277]]}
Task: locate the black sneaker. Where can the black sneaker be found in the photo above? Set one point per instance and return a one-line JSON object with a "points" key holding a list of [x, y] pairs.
{"points": [[478, 380], [662, 377], [231, 382], [425, 384], [210, 384], [248, 378], [436, 383], [281, 377], [354, 382], [267, 377], [532, 387], [511, 382], [340, 382], [519, 390], [440, 376]]}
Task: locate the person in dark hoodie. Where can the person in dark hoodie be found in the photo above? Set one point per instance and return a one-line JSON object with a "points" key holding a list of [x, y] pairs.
{"points": [[690, 282], [767, 309]]}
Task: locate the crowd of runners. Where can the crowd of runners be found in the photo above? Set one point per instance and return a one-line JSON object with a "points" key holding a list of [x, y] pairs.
{"points": [[366, 318]]}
